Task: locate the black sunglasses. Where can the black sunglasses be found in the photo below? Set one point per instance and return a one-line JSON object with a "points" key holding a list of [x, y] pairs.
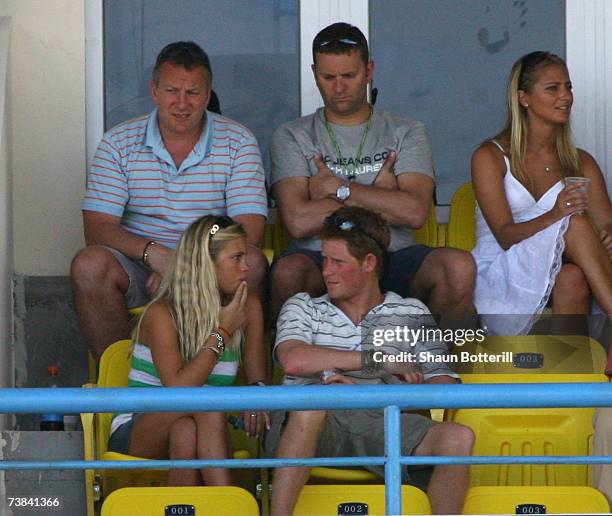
{"points": [[345, 40]]}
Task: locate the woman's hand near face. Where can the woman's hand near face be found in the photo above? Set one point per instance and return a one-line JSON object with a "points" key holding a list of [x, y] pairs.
{"points": [[233, 315]]}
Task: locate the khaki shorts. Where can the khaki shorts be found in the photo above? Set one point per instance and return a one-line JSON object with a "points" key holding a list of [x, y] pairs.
{"points": [[360, 433]]}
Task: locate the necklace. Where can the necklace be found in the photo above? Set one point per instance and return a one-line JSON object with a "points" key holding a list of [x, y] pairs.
{"points": [[350, 168]]}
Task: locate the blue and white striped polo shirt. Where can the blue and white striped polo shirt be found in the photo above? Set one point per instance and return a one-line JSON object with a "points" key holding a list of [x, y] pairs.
{"points": [[134, 177]]}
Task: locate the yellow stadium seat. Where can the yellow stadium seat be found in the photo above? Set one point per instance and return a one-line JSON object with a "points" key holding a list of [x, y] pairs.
{"points": [[442, 234], [563, 354], [343, 475], [200, 501], [525, 432], [535, 500], [113, 372], [461, 231], [427, 234], [281, 238], [136, 310], [325, 500]]}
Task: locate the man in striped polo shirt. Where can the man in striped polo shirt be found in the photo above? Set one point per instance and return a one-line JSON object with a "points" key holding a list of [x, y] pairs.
{"points": [[328, 340], [150, 178]]}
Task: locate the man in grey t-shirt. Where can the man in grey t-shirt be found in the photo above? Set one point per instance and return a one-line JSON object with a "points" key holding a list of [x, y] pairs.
{"points": [[349, 153]]}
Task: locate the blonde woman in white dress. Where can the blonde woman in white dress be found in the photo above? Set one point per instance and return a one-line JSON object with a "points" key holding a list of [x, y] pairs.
{"points": [[539, 242]]}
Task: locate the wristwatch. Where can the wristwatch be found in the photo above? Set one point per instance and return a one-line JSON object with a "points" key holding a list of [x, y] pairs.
{"points": [[343, 192]]}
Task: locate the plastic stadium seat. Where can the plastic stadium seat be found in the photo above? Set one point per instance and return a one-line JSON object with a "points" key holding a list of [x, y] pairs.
{"points": [[325, 500], [461, 232], [344, 475], [573, 354], [535, 500], [427, 234], [525, 432], [206, 501]]}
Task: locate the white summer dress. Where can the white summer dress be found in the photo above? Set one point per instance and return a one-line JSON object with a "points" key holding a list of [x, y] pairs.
{"points": [[514, 285]]}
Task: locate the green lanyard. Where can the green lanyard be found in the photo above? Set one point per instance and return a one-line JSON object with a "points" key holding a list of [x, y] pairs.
{"points": [[350, 169]]}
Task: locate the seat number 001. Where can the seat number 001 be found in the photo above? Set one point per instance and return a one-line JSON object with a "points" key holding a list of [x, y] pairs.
{"points": [[179, 510]]}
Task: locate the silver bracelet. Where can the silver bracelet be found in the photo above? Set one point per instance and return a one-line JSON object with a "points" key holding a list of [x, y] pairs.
{"points": [[145, 251], [220, 341]]}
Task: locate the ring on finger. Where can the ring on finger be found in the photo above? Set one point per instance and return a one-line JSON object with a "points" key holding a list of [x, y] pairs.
{"points": [[568, 204]]}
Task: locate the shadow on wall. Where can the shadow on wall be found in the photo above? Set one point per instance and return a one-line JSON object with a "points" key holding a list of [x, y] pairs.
{"points": [[46, 333]]}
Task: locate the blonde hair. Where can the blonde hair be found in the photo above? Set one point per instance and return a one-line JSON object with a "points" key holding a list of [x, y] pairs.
{"points": [[190, 284], [514, 133]]}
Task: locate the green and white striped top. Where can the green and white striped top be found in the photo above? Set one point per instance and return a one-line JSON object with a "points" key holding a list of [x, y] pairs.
{"points": [[144, 374]]}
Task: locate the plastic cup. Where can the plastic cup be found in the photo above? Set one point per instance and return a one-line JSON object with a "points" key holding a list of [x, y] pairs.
{"points": [[582, 181]]}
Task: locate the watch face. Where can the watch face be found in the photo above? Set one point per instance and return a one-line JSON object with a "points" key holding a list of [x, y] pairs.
{"points": [[343, 192]]}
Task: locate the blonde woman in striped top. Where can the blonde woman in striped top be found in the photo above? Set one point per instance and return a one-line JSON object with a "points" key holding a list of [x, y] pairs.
{"points": [[190, 335]]}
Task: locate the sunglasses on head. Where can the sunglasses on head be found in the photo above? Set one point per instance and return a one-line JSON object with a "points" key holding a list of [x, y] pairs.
{"points": [[346, 224], [346, 41]]}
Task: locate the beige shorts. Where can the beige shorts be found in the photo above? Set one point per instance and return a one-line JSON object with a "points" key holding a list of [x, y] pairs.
{"points": [[361, 433]]}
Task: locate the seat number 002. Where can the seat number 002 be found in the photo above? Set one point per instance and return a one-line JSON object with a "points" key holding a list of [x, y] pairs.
{"points": [[350, 508]]}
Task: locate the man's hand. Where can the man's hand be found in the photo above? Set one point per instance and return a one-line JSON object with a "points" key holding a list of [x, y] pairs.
{"points": [[153, 283], [324, 184], [338, 379], [416, 377], [410, 372], [386, 177], [159, 258]]}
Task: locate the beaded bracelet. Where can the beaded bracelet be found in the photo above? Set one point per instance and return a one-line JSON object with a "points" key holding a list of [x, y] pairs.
{"points": [[220, 341]]}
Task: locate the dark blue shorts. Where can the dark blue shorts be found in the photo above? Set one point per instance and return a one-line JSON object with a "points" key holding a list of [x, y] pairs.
{"points": [[119, 441], [401, 268]]}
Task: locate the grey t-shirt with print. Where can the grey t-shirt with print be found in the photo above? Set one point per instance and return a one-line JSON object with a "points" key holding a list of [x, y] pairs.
{"points": [[295, 143]]}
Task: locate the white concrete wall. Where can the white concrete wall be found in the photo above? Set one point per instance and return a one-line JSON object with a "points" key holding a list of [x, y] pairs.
{"points": [[589, 51], [47, 131], [6, 243]]}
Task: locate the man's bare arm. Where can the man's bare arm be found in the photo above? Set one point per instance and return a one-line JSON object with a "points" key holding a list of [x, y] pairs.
{"points": [[403, 200], [103, 229], [302, 216], [407, 206], [299, 359], [254, 225]]}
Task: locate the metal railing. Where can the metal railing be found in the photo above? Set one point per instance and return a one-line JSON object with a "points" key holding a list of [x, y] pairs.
{"points": [[391, 398]]}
